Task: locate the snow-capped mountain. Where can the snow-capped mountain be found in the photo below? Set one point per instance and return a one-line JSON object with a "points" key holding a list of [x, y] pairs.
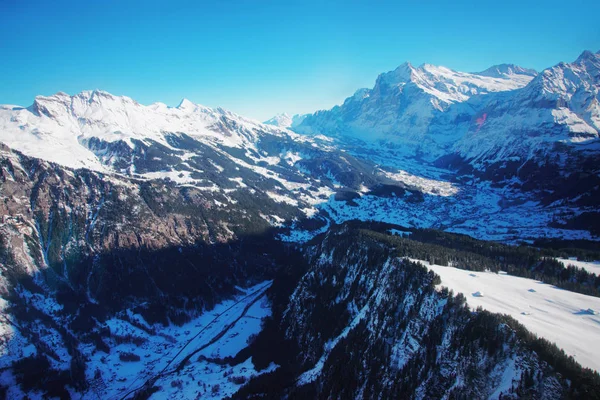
{"points": [[191, 145], [506, 70], [506, 124], [280, 120], [404, 102], [67, 129], [505, 111], [285, 121], [560, 106]]}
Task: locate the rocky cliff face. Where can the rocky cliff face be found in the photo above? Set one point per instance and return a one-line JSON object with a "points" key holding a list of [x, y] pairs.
{"points": [[109, 240]]}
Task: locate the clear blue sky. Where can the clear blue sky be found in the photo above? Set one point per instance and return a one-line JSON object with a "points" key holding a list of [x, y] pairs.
{"points": [[259, 58]]}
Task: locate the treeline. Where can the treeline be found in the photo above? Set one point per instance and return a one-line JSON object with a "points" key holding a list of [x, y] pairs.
{"points": [[464, 252], [584, 250]]}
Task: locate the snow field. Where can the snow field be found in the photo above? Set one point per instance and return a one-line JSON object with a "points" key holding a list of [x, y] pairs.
{"points": [[590, 266], [561, 316]]}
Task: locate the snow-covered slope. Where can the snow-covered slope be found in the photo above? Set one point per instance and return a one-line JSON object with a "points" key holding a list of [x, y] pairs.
{"points": [[592, 267], [569, 319]]}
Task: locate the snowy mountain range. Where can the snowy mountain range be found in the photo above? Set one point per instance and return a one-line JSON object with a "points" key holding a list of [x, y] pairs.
{"points": [[405, 102], [505, 111], [175, 252], [559, 106], [495, 115], [73, 126]]}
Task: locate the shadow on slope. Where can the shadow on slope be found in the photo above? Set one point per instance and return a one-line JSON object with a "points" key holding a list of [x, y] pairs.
{"points": [[165, 286]]}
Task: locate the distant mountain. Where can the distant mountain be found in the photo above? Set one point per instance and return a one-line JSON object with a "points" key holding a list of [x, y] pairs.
{"points": [[501, 112], [285, 121], [280, 120], [560, 106], [404, 103], [505, 70]]}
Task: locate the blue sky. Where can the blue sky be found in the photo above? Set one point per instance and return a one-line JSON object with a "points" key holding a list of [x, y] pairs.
{"points": [[259, 58]]}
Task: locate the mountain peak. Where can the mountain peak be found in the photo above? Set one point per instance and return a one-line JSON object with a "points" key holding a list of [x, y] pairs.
{"points": [[282, 120], [185, 104], [504, 70], [587, 56], [96, 95], [402, 74]]}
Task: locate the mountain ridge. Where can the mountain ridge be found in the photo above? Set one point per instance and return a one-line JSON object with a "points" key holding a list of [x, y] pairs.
{"points": [[404, 103], [62, 121]]}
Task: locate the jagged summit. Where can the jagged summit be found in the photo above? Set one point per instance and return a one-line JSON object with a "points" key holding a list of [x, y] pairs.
{"points": [[587, 55], [186, 104], [402, 74], [433, 77]]}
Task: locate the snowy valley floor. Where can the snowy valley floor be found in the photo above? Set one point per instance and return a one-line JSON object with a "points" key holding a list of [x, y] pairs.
{"points": [[474, 208], [204, 341]]}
